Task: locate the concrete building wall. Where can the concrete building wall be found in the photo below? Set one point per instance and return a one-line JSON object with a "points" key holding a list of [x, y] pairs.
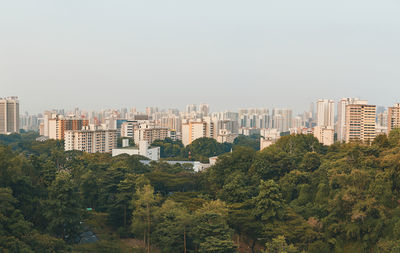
{"points": [[360, 123], [91, 141], [9, 115], [325, 135], [325, 112], [393, 120]]}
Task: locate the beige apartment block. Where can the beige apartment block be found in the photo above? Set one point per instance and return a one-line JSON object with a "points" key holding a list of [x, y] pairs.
{"points": [[341, 116], [360, 123], [197, 129], [324, 134], [149, 133], [393, 117], [91, 141]]}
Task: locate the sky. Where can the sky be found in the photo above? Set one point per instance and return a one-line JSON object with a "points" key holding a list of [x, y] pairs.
{"points": [[231, 54]]}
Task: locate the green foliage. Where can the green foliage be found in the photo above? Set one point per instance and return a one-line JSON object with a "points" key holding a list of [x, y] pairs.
{"points": [[341, 198], [17, 234], [268, 204], [172, 225], [169, 148], [252, 141], [144, 208], [63, 210], [202, 148], [211, 230], [279, 245]]}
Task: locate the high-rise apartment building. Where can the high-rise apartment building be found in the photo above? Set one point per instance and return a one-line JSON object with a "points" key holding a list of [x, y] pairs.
{"points": [[171, 122], [393, 117], [325, 113], [9, 115], [341, 115], [281, 119], [149, 133], [91, 141], [197, 129], [58, 125], [191, 108], [204, 109], [128, 127], [360, 123]]}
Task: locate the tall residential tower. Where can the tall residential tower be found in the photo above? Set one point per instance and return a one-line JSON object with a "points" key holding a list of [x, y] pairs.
{"points": [[393, 117], [9, 115], [341, 115], [360, 123]]}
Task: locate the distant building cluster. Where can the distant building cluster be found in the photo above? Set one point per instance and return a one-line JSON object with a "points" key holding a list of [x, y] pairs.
{"points": [[354, 120]]}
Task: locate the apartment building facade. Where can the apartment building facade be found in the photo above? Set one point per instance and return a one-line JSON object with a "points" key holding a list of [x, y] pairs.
{"points": [[91, 141], [393, 117], [360, 123], [9, 115]]}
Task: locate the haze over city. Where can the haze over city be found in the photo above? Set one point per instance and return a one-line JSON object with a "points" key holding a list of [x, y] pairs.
{"points": [[230, 54]]}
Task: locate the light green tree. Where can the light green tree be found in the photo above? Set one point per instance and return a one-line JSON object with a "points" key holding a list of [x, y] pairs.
{"points": [[144, 204], [279, 245]]}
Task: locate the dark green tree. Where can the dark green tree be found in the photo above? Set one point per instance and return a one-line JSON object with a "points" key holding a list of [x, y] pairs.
{"points": [[211, 231], [63, 210]]}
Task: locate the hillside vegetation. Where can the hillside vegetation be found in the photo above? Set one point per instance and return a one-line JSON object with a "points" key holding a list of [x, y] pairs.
{"points": [[294, 196]]}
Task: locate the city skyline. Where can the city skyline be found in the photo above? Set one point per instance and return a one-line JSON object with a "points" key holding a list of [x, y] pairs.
{"points": [[142, 109]]}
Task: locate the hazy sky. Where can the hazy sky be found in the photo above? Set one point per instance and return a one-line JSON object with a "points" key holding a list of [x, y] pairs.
{"points": [[231, 54]]}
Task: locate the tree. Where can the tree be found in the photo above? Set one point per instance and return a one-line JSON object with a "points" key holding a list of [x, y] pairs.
{"points": [[13, 227], [394, 137], [144, 202], [120, 212], [279, 245], [17, 234], [311, 161], [211, 231], [268, 203], [173, 221], [203, 148], [63, 211], [236, 189], [252, 141], [169, 148]]}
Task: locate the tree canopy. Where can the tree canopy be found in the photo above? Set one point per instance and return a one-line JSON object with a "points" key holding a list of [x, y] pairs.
{"points": [[294, 196]]}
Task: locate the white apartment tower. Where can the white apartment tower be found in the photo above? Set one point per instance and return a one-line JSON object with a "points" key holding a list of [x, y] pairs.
{"points": [[9, 115], [325, 113]]}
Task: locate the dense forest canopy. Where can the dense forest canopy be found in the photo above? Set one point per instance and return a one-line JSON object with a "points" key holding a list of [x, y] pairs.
{"points": [[294, 196]]}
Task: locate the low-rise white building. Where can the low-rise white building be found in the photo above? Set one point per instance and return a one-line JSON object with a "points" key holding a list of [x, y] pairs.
{"points": [[226, 136], [153, 153]]}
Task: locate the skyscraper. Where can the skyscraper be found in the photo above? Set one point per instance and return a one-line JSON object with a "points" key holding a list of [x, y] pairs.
{"points": [[204, 109], [281, 119], [9, 115], [191, 108]]}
